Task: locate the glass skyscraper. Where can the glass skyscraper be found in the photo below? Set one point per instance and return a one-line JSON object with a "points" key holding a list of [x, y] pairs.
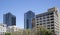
{"points": [[9, 19], [28, 16]]}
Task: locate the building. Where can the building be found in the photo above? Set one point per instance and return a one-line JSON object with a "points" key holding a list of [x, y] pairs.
{"points": [[50, 20], [28, 16], [33, 23], [2, 29], [12, 29], [9, 19]]}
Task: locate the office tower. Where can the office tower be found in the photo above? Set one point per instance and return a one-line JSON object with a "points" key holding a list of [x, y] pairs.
{"points": [[50, 20], [28, 16], [9, 19]]}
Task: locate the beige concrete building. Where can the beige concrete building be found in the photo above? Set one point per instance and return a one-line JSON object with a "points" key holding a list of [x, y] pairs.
{"points": [[33, 22], [50, 20]]}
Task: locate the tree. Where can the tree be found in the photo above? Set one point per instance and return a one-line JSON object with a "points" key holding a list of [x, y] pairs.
{"points": [[26, 32], [40, 30], [19, 32], [7, 33]]}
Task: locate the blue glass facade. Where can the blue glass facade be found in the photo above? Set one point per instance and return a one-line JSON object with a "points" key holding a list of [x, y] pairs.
{"points": [[9, 19], [28, 16]]}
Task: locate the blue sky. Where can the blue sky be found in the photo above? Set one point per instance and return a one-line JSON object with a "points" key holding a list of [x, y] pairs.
{"points": [[19, 7]]}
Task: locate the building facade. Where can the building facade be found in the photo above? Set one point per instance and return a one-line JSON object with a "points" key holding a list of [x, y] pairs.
{"points": [[50, 20], [12, 29], [28, 16], [33, 23], [2, 29], [9, 19]]}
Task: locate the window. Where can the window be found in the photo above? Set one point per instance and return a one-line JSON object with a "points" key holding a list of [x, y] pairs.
{"points": [[48, 28], [37, 24], [40, 18], [47, 16], [52, 30], [52, 24], [52, 19], [37, 19], [52, 27], [51, 13], [44, 23], [47, 19], [51, 16], [40, 23], [48, 22], [48, 25], [44, 20]]}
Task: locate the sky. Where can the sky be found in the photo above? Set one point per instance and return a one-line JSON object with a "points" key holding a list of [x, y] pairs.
{"points": [[19, 7]]}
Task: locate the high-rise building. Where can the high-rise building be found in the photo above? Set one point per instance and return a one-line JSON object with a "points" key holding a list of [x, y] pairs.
{"points": [[28, 16], [9, 19], [50, 20]]}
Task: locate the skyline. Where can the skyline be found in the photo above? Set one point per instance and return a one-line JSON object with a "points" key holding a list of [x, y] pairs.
{"points": [[19, 7]]}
